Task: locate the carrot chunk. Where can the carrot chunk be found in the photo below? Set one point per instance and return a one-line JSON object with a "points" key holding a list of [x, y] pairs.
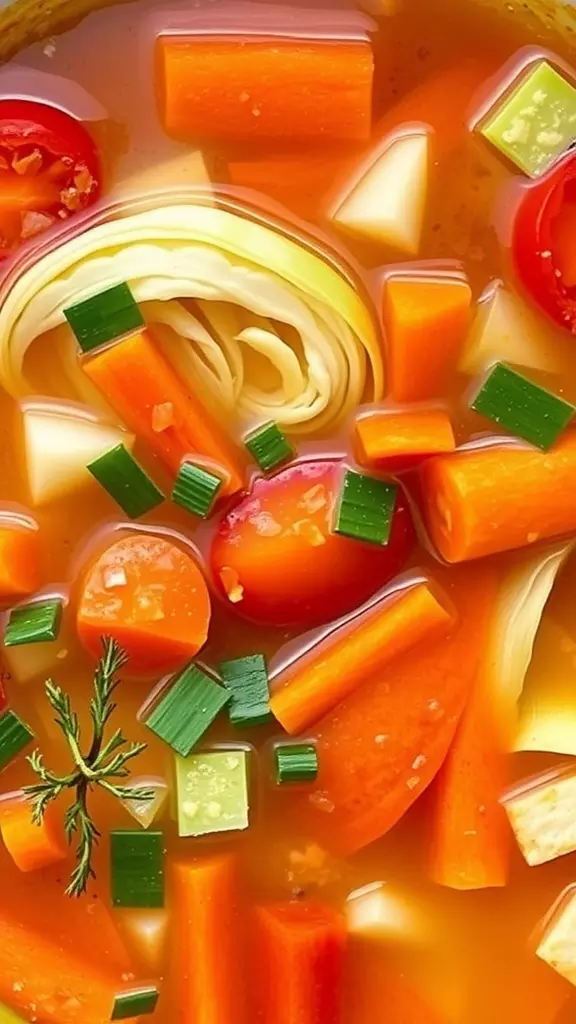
{"points": [[302, 951], [479, 501], [151, 597], [408, 435], [137, 380], [235, 89], [19, 560], [31, 846], [425, 319], [314, 684], [206, 946]]}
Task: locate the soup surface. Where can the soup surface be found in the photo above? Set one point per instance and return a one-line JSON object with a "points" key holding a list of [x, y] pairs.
{"points": [[288, 465]]}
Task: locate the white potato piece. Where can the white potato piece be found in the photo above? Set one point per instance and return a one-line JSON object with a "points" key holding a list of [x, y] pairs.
{"points": [[145, 812], [542, 813], [146, 931], [387, 204], [59, 444], [547, 708], [377, 911], [557, 946]]}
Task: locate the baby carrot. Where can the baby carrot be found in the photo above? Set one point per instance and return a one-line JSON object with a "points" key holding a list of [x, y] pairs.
{"points": [[139, 383], [302, 961], [207, 941], [19, 560], [315, 683], [409, 434], [478, 501], [31, 846]]}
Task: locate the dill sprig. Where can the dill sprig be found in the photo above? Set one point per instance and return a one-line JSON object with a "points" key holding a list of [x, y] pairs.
{"points": [[104, 763]]}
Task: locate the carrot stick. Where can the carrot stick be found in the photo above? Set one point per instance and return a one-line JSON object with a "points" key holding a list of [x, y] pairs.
{"points": [[314, 684], [207, 942], [151, 597], [19, 561], [302, 959], [31, 846], [479, 501], [410, 434], [236, 89], [139, 382], [382, 746], [425, 319]]}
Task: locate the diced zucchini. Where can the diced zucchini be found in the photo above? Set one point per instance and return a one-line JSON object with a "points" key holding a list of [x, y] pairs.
{"points": [[186, 709], [135, 1002], [145, 812], [137, 868], [212, 792], [126, 481], [557, 946], [542, 813]]}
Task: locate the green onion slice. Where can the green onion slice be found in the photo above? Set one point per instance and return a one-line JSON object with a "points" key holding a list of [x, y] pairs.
{"points": [[296, 762], [365, 508], [104, 317], [135, 1003], [269, 446], [247, 680], [137, 868], [186, 709], [15, 736], [522, 407], [34, 623], [126, 482], [195, 489]]}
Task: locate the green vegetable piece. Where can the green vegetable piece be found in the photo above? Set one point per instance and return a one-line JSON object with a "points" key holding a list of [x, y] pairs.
{"points": [[186, 710], [15, 736], [135, 1003], [247, 680], [104, 317], [536, 122], [34, 623], [269, 446], [125, 480], [212, 792], [365, 508], [137, 868], [196, 489], [296, 762], [522, 407]]}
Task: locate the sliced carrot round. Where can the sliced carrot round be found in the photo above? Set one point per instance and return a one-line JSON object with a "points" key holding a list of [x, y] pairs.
{"points": [[149, 595]]}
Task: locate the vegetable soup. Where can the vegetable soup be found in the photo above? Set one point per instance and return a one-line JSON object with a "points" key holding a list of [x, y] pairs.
{"points": [[288, 514]]}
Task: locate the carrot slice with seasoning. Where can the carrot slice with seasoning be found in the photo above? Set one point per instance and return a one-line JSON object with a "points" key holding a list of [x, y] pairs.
{"points": [[19, 560], [31, 846], [405, 437]]}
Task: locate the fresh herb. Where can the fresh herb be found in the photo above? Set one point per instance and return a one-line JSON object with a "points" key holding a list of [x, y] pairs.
{"points": [[104, 762]]}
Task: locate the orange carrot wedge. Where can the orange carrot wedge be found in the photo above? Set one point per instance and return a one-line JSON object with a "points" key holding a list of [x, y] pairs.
{"points": [[425, 319], [478, 501], [147, 394], [315, 683], [235, 89], [31, 846], [19, 560], [406, 436], [151, 597], [302, 959], [382, 746], [207, 942]]}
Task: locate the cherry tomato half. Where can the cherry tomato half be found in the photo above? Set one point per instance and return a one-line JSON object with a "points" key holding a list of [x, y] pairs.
{"points": [[49, 169], [275, 559]]}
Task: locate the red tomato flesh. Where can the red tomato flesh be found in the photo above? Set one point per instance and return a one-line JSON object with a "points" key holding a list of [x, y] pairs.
{"points": [[275, 559]]}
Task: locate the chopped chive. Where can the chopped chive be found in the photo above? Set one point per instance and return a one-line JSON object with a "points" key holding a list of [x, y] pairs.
{"points": [[135, 1003], [125, 480], [187, 709], [296, 762], [196, 489], [104, 317], [536, 122], [137, 868], [15, 736], [34, 623], [247, 680], [212, 792], [522, 407], [269, 446], [365, 508]]}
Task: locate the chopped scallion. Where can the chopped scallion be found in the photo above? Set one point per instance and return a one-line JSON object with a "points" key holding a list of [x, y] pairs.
{"points": [[15, 736], [125, 480], [34, 623], [137, 868], [187, 709], [212, 792], [296, 762], [269, 446], [247, 680], [135, 1003], [522, 407], [196, 489], [365, 508], [104, 317]]}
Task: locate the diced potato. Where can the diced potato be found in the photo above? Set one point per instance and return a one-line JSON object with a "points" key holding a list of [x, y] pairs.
{"points": [[557, 946], [542, 813], [376, 911], [387, 204], [547, 708]]}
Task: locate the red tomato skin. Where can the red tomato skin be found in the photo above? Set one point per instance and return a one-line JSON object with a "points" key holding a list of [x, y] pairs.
{"points": [[285, 566], [27, 123]]}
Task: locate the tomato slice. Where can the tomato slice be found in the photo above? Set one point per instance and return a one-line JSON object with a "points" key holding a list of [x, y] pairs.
{"points": [[49, 170]]}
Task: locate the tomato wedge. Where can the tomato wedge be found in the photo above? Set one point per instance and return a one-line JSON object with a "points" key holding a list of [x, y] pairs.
{"points": [[49, 170]]}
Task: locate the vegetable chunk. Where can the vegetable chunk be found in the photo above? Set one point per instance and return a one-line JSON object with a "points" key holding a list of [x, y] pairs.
{"points": [[557, 946], [542, 812]]}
